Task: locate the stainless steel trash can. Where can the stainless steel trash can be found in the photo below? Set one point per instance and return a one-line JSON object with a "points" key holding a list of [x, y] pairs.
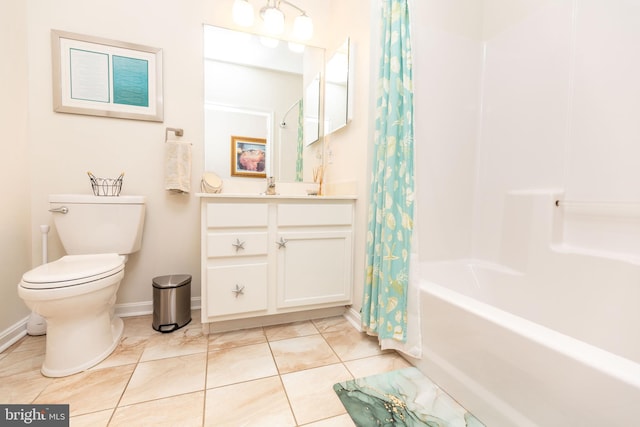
{"points": [[171, 302]]}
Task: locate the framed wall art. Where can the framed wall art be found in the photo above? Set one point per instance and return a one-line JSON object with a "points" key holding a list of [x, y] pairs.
{"points": [[248, 156], [102, 77]]}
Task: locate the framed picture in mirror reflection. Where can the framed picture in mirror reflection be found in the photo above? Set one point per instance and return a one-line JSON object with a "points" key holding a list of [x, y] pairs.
{"points": [[248, 156]]}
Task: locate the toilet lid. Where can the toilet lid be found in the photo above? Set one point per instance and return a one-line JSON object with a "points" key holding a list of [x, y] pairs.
{"points": [[73, 270]]}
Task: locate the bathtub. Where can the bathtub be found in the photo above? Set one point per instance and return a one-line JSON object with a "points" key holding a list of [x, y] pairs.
{"points": [[555, 347]]}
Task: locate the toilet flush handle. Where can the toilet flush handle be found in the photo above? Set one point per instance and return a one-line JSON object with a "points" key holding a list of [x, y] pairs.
{"points": [[61, 209]]}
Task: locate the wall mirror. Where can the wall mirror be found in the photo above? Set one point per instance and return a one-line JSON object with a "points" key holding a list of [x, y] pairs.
{"points": [[338, 84], [257, 88], [311, 110]]}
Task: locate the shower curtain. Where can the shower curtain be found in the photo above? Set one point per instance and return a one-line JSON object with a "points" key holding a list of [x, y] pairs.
{"points": [[300, 143], [391, 209]]}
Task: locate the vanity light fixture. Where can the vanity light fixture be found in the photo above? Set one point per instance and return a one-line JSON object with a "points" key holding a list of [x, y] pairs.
{"points": [[273, 18], [242, 13]]}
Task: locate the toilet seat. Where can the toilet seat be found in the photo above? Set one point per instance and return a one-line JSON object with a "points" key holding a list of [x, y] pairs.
{"points": [[73, 270]]}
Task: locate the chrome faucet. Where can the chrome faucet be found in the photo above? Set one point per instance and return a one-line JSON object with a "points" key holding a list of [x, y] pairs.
{"points": [[271, 186]]}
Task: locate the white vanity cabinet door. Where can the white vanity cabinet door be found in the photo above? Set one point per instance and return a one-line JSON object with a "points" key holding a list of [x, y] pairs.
{"points": [[314, 268], [233, 289], [314, 265]]}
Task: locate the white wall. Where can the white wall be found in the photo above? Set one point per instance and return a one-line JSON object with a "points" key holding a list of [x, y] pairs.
{"points": [[15, 227], [348, 150], [51, 152], [63, 147]]}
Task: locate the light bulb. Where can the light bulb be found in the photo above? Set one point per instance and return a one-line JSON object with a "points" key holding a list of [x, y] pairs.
{"points": [[303, 27], [243, 13], [273, 20]]}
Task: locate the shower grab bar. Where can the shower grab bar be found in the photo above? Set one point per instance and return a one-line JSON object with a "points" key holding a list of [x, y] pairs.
{"points": [[601, 208]]}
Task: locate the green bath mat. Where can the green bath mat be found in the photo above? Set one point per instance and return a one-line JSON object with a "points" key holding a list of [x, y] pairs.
{"points": [[402, 398]]}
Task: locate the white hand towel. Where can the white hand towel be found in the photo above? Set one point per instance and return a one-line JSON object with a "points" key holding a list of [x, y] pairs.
{"points": [[177, 166]]}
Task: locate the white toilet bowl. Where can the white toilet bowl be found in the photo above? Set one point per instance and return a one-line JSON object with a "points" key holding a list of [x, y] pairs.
{"points": [[76, 295]]}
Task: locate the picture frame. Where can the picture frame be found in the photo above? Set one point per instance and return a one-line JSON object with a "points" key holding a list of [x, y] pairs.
{"points": [[248, 157], [102, 77]]}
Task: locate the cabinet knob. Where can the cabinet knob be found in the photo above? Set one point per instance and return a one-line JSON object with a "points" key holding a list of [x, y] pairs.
{"points": [[282, 243], [239, 290], [238, 245]]}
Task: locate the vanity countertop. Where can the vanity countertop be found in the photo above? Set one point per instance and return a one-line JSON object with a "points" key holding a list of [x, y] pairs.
{"points": [[275, 197]]}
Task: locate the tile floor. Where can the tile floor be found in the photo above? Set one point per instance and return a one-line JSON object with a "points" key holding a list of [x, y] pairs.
{"points": [[269, 376]]}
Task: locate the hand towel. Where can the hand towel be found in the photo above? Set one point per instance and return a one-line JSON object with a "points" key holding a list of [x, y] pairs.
{"points": [[177, 166]]}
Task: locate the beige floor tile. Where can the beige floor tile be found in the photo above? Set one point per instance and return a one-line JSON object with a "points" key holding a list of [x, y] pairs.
{"points": [[339, 421], [350, 344], [238, 364], [88, 391], [311, 392], [238, 338], [22, 388], [32, 344], [196, 322], [20, 362], [161, 378], [94, 419], [295, 354], [258, 403], [138, 326], [178, 343], [333, 324], [290, 330], [376, 365], [128, 351], [185, 410]]}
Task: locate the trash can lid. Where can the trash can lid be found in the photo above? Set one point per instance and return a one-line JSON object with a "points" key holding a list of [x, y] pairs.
{"points": [[172, 281]]}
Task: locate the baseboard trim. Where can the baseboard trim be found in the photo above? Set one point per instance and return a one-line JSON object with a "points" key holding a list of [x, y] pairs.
{"points": [[354, 318], [12, 334], [146, 307]]}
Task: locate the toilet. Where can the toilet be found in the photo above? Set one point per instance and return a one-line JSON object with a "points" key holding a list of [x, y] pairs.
{"points": [[76, 294]]}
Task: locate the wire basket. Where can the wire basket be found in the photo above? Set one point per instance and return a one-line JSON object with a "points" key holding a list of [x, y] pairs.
{"points": [[105, 186]]}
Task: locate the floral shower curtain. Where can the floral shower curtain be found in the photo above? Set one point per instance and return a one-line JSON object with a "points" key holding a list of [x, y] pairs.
{"points": [[390, 223]]}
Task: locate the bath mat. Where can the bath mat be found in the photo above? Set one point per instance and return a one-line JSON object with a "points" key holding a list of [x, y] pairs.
{"points": [[402, 398]]}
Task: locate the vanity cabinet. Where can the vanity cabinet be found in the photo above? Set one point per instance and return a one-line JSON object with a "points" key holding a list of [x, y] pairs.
{"points": [[271, 255]]}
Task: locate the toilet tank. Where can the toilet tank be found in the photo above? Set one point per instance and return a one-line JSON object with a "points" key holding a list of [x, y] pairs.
{"points": [[98, 224]]}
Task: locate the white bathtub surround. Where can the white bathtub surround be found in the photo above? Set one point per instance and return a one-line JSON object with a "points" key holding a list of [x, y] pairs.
{"points": [[548, 338]]}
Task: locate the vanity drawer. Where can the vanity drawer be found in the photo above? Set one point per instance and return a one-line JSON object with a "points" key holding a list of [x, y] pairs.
{"points": [[236, 289], [315, 214], [236, 215], [236, 244]]}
